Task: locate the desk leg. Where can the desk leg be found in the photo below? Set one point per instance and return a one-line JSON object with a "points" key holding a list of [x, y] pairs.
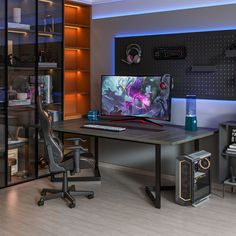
{"points": [[196, 145], [154, 192], [97, 172], [158, 177]]}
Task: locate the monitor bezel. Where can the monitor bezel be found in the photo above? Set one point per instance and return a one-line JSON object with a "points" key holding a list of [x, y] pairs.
{"points": [[136, 116]]}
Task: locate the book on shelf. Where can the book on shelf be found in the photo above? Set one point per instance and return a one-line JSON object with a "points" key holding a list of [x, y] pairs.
{"points": [[13, 25], [233, 136], [19, 102], [233, 145], [47, 64], [231, 150]]}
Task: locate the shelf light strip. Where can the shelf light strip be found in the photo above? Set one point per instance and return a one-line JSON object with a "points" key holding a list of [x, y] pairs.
{"points": [[70, 5], [72, 27], [47, 1], [17, 32], [45, 34]]}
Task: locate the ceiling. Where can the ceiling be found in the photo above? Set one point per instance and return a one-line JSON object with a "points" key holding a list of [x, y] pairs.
{"points": [[97, 1]]}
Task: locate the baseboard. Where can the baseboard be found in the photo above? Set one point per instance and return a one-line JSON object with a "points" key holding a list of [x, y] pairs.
{"points": [[135, 171]]}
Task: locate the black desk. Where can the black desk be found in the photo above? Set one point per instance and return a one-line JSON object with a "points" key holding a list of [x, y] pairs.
{"points": [[140, 133]]}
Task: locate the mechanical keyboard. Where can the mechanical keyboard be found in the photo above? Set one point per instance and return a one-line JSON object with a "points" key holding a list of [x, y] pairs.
{"points": [[104, 127]]}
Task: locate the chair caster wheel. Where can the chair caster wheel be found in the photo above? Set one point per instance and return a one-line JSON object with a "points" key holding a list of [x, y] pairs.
{"points": [[41, 202], [43, 193], [90, 196], [72, 205]]}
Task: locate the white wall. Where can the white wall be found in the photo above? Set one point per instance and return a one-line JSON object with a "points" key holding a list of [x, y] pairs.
{"points": [[130, 7], [210, 113]]}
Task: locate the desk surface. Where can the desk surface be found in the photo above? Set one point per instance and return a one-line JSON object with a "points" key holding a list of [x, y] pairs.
{"points": [[143, 133]]}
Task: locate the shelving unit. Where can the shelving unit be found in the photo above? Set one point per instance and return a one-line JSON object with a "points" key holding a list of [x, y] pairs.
{"points": [[226, 160], [76, 59], [32, 37]]}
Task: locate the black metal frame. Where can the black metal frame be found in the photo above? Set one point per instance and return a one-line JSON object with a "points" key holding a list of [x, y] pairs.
{"points": [[6, 184], [154, 192]]}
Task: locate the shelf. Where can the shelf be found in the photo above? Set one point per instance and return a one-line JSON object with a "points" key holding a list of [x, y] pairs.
{"points": [[230, 53], [77, 93], [20, 31], [203, 68], [76, 48], [228, 154], [72, 116], [46, 1], [21, 68], [228, 182], [78, 70], [48, 34], [75, 26], [48, 68]]}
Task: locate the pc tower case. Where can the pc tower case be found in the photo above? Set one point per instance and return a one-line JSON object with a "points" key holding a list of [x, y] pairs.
{"points": [[193, 178]]}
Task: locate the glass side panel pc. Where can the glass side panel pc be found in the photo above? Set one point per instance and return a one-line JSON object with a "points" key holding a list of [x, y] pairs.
{"points": [[50, 46], [21, 92], [2, 95]]}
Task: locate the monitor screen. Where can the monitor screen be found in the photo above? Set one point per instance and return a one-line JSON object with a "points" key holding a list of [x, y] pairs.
{"points": [[141, 96]]}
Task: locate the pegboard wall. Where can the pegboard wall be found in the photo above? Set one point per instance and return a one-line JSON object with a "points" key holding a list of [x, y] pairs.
{"points": [[208, 70]]}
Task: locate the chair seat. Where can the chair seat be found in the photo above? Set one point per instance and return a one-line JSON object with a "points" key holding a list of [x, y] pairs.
{"points": [[85, 162]]}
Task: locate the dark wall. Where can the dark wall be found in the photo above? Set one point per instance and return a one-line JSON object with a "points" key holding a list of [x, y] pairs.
{"points": [[204, 67]]}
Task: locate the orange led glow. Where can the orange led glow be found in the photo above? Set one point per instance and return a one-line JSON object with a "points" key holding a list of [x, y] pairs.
{"points": [[72, 6]]}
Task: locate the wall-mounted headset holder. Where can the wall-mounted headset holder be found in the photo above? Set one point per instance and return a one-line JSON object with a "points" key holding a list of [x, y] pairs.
{"points": [[133, 54]]}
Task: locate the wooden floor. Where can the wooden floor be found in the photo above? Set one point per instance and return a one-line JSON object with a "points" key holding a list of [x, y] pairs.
{"points": [[120, 207]]}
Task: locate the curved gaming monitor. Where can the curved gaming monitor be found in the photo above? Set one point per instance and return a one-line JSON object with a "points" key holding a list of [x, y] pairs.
{"points": [[136, 96]]}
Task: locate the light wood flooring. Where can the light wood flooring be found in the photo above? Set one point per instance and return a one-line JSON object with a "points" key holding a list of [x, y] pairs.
{"points": [[120, 207]]}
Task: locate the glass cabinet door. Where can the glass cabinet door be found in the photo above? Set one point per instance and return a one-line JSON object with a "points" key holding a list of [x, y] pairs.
{"points": [[50, 65], [2, 93], [21, 86]]}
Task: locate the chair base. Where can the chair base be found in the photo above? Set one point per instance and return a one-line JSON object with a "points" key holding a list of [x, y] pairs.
{"points": [[65, 193], [48, 194]]}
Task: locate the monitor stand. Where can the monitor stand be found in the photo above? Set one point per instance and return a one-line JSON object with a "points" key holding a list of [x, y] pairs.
{"points": [[142, 120]]}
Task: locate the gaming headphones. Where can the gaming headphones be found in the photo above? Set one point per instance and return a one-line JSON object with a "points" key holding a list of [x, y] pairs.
{"points": [[163, 84], [133, 54]]}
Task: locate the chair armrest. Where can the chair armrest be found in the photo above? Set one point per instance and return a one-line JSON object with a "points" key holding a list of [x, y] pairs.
{"points": [[76, 139], [75, 148]]}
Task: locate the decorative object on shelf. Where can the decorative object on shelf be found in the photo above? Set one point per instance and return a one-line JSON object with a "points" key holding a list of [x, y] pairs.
{"points": [[24, 174], [93, 115], [233, 180], [2, 94], [10, 52], [191, 118], [133, 54], [42, 56], [17, 15], [233, 135], [13, 25], [11, 93], [170, 53], [48, 24], [231, 149]]}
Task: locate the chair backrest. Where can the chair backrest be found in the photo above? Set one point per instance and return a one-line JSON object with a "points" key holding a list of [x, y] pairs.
{"points": [[53, 149]]}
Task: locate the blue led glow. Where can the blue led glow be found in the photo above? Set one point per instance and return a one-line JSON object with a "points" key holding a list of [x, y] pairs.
{"points": [[175, 31], [204, 100], [122, 12]]}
